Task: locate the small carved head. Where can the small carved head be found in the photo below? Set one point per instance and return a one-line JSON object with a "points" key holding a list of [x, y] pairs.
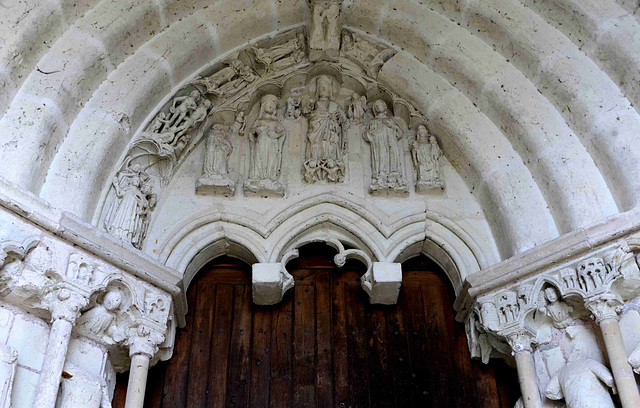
{"points": [[551, 294], [112, 300], [379, 107], [195, 94], [423, 134], [269, 104], [324, 89]]}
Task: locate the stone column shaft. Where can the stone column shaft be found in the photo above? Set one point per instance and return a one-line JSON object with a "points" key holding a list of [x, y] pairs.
{"points": [[137, 381], [622, 372], [51, 374], [527, 379]]}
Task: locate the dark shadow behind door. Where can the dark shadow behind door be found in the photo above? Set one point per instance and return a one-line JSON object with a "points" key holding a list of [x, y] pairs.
{"points": [[324, 345]]}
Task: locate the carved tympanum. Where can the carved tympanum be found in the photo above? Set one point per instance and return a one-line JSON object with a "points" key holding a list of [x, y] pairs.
{"points": [[366, 54], [426, 155], [326, 142], [384, 135], [282, 56], [266, 139]]}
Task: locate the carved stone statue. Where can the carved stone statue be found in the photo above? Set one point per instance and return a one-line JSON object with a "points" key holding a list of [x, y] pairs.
{"points": [[171, 135], [215, 177], [293, 109], [553, 306], [220, 78], [369, 56], [324, 30], [127, 214], [357, 109], [281, 56], [426, 156], [100, 321], [387, 157], [266, 140], [582, 383], [326, 142], [237, 129], [246, 75]]}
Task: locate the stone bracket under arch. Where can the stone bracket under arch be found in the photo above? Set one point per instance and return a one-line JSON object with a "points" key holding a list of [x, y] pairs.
{"points": [[382, 281]]}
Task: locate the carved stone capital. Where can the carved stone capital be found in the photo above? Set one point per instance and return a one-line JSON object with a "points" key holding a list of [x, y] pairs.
{"points": [[65, 304], [604, 307], [144, 340], [520, 340]]}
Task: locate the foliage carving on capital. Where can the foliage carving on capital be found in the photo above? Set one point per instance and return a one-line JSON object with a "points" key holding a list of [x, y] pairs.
{"points": [[604, 306], [520, 340], [145, 340], [65, 303]]}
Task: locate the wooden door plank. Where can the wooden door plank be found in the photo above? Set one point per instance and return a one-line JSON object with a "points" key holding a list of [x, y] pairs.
{"points": [[220, 343], [381, 388], [422, 385], [439, 348], [200, 344], [340, 345], [261, 356], [464, 391], [239, 379], [282, 354], [358, 353], [486, 388], [176, 382], [304, 335], [324, 343], [400, 360]]}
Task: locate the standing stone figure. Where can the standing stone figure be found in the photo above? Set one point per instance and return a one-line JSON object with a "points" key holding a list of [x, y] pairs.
{"points": [[387, 161], [293, 109], [324, 31], [215, 177], [583, 384], [127, 215], [357, 109], [266, 140], [426, 155], [326, 142]]}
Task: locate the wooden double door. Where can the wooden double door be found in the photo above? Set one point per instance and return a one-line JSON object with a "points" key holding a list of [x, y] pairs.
{"points": [[324, 345]]}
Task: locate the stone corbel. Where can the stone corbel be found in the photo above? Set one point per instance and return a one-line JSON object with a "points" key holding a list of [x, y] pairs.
{"points": [[270, 281]]}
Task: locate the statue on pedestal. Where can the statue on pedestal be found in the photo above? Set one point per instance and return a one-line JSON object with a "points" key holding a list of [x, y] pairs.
{"points": [[266, 140], [326, 142], [426, 155], [215, 177], [387, 156]]}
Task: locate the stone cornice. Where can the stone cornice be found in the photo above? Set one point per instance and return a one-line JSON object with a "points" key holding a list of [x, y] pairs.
{"points": [[563, 251]]}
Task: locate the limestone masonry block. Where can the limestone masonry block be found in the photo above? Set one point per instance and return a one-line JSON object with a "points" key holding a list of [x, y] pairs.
{"points": [[387, 280], [269, 283]]}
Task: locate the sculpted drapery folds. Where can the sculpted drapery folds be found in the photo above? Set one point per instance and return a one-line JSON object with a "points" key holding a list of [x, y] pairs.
{"points": [[326, 143], [387, 156], [127, 217], [426, 155], [215, 176], [266, 139]]}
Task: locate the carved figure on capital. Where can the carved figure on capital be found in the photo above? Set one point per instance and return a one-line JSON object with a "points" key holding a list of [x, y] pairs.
{"points": [[101, 321], [215, 176], [426, 155], [266, 140], [326, 142], [384, 135], [582, 383], [551, 304], [127, 216]]}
